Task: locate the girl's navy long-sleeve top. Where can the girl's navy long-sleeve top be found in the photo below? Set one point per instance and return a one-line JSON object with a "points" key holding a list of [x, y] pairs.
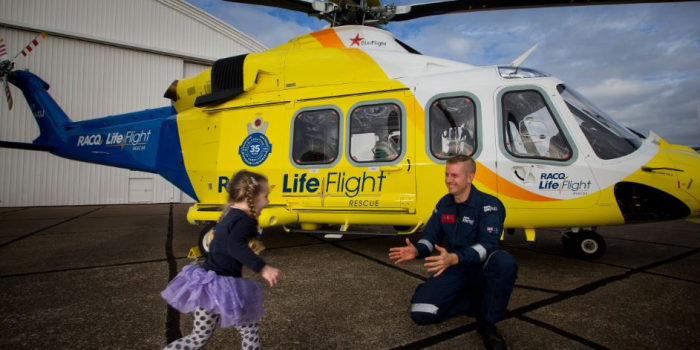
{"points": [[229, 249]]}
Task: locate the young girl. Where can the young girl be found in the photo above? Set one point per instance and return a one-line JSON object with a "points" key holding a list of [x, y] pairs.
{"points": [[215, 292]]}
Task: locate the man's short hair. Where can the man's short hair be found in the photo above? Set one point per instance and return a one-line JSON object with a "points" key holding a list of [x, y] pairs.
{"points": [[461, 158]]}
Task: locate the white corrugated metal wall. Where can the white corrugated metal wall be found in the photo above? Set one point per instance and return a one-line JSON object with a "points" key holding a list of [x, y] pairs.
{"points": [[101, 58]]}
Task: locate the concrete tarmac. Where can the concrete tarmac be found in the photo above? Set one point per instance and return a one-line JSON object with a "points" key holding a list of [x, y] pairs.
{"points": [[89, 277]]}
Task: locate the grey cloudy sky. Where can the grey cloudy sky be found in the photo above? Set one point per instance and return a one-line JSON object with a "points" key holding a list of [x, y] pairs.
{"points": [[639, 63]]}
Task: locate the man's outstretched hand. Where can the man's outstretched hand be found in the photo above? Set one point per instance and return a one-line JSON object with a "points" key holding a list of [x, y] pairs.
{"points": [[399, 254], [439, 263]]}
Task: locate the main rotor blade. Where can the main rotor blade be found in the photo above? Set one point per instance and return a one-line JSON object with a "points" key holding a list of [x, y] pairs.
{"points": [[305, 6], [408, 12]]}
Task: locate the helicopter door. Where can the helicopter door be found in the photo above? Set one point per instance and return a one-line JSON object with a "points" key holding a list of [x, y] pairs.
{"points": [[377, 174], [538, 163]]}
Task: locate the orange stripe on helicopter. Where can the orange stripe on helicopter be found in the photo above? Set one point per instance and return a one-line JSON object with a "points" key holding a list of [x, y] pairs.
{"points": [[505, 187], [490, 179], [328, 38]]}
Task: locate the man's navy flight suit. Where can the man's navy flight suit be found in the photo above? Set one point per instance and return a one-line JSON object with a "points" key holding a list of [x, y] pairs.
{"points": [[484, 276]]}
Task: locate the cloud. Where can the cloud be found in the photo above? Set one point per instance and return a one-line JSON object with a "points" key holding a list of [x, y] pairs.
{"points": [[666, 107], [616, 92], [640, 63]]}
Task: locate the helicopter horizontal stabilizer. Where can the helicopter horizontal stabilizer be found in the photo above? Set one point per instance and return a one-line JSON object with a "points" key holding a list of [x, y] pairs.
{"points": [[25, 146]]}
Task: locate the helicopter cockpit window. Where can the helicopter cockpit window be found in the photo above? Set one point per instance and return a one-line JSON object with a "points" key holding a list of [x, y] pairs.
{"points": [[452, 127], [609, 139], [316, 137], [375, 133], [530, 129]]}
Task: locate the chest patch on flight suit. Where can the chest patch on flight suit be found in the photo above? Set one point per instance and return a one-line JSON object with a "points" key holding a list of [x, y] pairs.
{"points": [[467, 220], [489, 208], [448, 218]]}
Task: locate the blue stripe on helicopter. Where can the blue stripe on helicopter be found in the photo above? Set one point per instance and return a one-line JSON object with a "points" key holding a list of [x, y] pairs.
{"points": [[145, 141]]}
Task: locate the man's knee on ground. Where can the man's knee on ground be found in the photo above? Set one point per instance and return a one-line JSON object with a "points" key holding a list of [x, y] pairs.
{"points": [[501, 263], [424, 318], [423, 313]]}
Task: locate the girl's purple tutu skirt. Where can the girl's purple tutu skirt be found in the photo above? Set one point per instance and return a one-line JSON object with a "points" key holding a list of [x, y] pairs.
{"points": [[236, 300]]}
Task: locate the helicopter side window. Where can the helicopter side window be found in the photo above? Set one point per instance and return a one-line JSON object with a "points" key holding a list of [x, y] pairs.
{"points": [[530, 129], [452, 127], [375, 133], [316, 137]]}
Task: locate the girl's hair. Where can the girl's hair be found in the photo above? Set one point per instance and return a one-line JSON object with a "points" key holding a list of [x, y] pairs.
{"points": [[245, 185]]}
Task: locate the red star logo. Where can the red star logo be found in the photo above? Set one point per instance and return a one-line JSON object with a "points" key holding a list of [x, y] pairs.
{"points": [[356, 40]]}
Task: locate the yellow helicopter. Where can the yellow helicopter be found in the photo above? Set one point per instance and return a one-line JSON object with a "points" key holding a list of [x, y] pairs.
{"points": [[367, 144]]}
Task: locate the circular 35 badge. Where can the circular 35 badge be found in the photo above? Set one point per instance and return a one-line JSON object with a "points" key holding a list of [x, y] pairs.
{"points": [[255, 149]]}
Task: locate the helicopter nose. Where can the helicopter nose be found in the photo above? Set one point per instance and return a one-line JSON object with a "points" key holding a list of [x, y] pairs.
{"points": [[665, 188]]}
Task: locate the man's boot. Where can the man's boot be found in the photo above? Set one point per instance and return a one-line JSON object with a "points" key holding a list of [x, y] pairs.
{"points": [[492, 339]]}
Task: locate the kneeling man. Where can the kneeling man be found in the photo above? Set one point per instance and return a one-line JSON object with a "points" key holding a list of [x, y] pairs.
{"points": [[470, 274]]}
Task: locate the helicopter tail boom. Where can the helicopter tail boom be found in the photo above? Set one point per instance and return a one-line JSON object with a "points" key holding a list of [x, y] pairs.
{"points": [[143, 141]]}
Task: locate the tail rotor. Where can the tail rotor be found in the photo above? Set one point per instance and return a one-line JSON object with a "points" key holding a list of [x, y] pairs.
{"points": [[7, 65], [8, 94]]}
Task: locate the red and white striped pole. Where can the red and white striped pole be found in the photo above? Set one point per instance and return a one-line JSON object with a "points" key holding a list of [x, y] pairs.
{"points": [[7, 92], [8, 65], [31, 46], [3, 51]]}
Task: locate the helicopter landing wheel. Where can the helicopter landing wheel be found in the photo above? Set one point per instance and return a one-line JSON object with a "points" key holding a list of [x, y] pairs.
{"points": [[205, 238], [586, 245]]}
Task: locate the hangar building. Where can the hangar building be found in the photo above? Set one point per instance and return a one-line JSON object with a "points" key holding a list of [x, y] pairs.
{"points": [[101, 58]]}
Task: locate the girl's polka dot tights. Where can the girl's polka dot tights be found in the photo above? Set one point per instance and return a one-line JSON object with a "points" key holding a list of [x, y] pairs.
{"points": [[204, 325]]}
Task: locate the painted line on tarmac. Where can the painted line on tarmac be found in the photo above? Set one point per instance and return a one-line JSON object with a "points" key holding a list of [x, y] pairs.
{"points": [[537, 289], [587, 288], [614, 265], [649, 242], [438, 338], [13, 211], [46, 228], [563, 333], [321, 242], [671, 277], [632, 240], [125, 215], [423, 278], [294, 246], [590, 287], [392, 266], [172, 319], [559, 297], [92, 231], [83, 268]]}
